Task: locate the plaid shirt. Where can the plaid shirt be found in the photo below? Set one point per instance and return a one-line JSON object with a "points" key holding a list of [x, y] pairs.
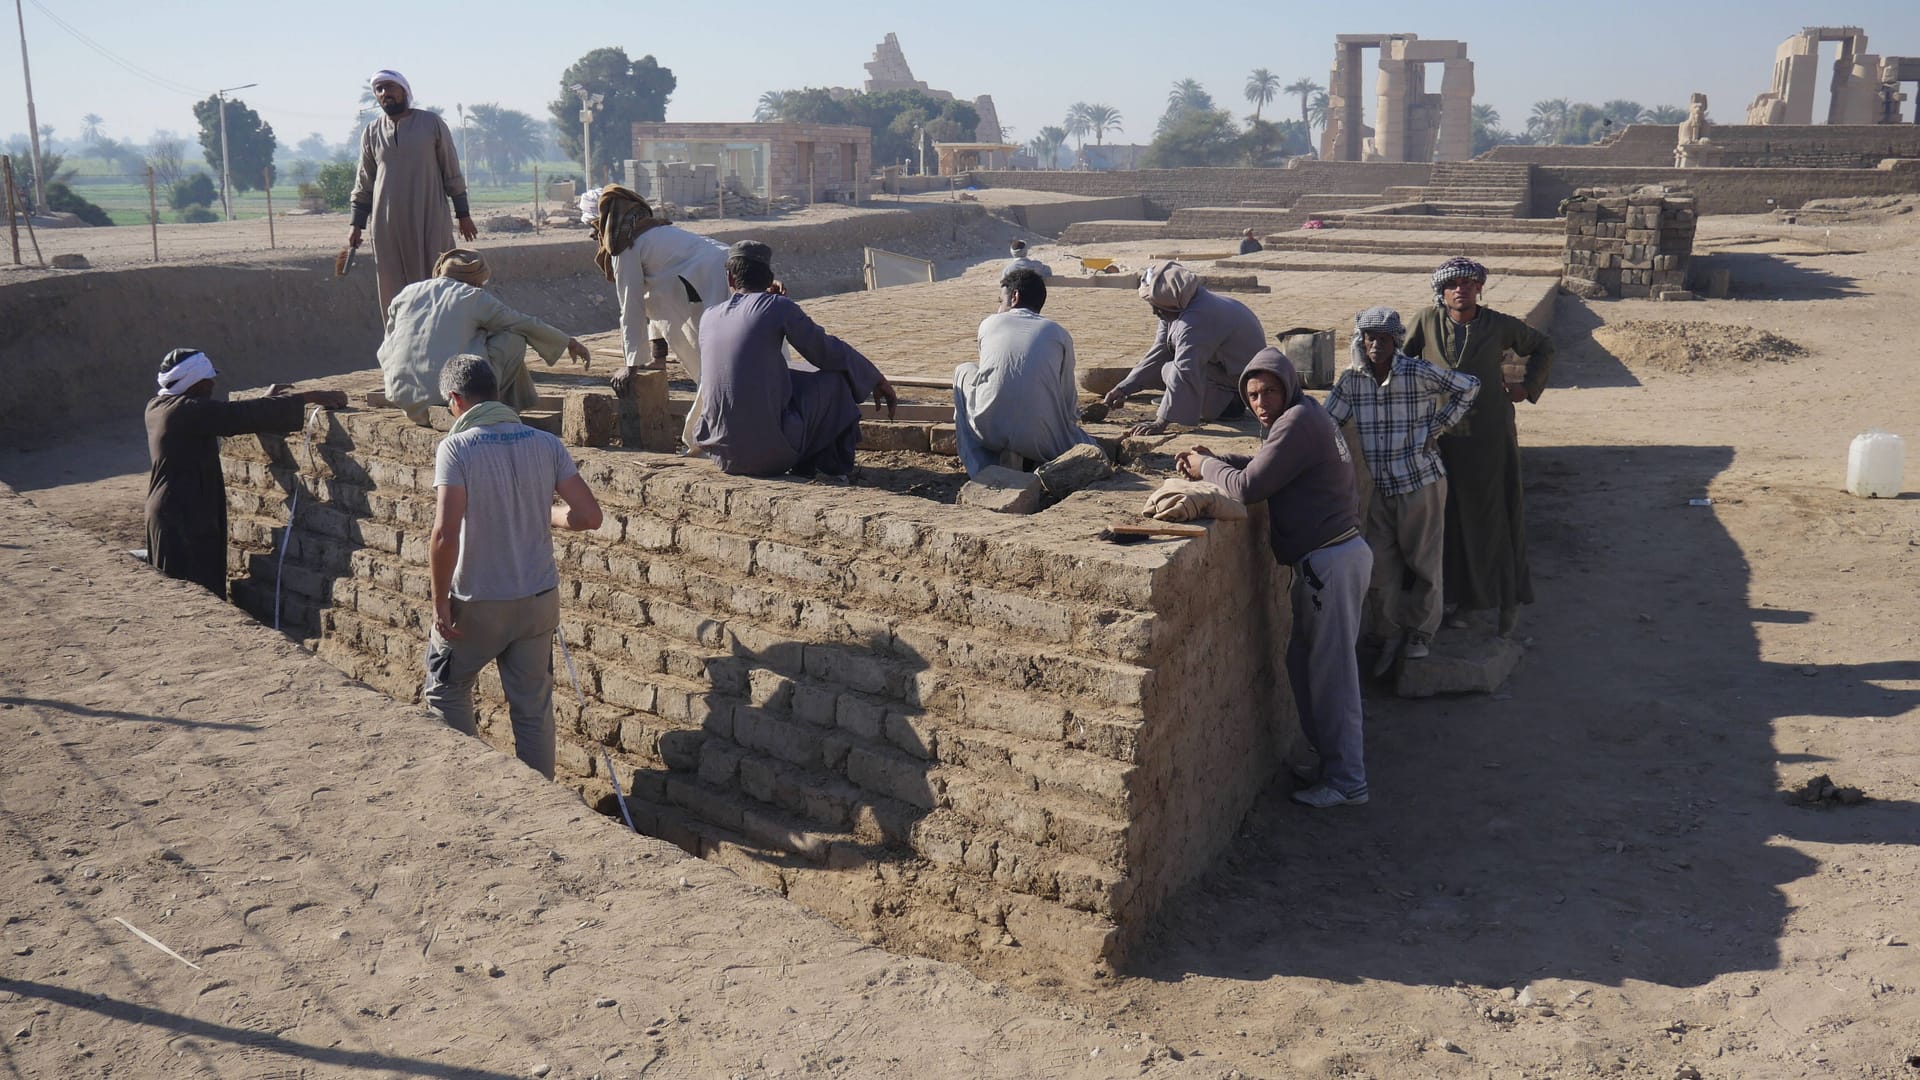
{"points": [[1398, 419]]}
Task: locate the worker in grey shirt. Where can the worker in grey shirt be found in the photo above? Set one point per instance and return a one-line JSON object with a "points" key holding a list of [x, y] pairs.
{"points": [[495, 585], [1017, 260], [1020, 395]]}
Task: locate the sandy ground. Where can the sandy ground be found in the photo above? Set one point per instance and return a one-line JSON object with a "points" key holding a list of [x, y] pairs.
{"points": [[1593, 872]]}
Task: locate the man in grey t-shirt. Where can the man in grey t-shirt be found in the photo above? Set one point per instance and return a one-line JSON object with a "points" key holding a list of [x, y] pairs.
{"points": [[495, 585]]}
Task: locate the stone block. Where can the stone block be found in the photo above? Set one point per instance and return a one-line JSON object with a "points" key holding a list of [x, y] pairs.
{"points": [[884, 435], [942, 440], [1467, 662], [590, 418], [646, 421], [1078, 467], [1099, 380], [1583, 288], [1003, 491]]}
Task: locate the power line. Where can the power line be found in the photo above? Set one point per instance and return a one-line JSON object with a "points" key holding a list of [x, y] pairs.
{"points": [[132, 68]]}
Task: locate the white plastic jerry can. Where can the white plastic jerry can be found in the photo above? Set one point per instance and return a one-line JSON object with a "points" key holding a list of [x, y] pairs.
{"points": [[1874, 464]]}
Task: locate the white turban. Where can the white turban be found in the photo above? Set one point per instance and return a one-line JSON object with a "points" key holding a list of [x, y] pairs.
{"points": [[392, 77], [185, 374]]}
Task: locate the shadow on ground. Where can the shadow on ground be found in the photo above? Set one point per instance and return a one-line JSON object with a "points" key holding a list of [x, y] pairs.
{"points": [[1614, 815]]}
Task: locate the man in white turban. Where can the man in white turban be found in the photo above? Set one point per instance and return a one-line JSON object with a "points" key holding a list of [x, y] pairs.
{"points": [[408, 172], [1203, 344]]}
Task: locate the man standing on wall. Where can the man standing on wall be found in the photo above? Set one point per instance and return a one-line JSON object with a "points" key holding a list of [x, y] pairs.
{"points": [[408, 171], [1486, 533], [495, 585], [186, 493]]}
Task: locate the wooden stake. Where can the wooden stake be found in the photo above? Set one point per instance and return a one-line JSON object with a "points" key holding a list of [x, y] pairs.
{"points": [[13, 227], [536, 199], [153, 214], [266, 175], [13, 203]]}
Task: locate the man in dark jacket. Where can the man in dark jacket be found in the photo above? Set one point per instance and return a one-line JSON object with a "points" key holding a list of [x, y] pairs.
{"points": [[186, 495], [1305, 475]]}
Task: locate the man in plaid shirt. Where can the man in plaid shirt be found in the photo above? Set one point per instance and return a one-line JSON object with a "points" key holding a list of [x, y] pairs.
{"points": [[1401, 404]]}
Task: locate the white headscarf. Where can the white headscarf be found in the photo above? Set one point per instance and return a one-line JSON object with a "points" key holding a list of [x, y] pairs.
{"points": [[185, 374], [392, 77]]}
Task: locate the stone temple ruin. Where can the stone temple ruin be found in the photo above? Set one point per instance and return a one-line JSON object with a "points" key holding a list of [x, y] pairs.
{"points": [[1409, 123], [1865, 88], [888, 70]]}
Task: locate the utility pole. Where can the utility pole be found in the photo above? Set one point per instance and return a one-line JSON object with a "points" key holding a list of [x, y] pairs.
{"points": [[589, 101], [226, 202], [33, 122]]}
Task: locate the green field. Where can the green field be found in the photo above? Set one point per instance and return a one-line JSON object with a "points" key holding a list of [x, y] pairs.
{"points": [[125, 199]]}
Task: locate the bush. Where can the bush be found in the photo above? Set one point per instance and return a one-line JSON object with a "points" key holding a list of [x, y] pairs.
{"points": [[61, 199], [195, 190], [336, 183], [198, 214]]}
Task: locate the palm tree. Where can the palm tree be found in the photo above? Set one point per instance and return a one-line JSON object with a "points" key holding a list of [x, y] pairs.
{"points": [[1078, 124], [1100, 120], [1622, 111], [1664, 114], [1046, 145], [770, 106], [507, 138], [90, 128], [1306, 89], [1548, 118], [1262, 86], [1188, 94], [1316, 110]]}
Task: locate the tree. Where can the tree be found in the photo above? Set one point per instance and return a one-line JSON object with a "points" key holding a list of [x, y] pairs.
{"points": [[314, 147], [1548, 120], [1487, 132], [195, 190], [52, 163], [1305, 89], [771, 107], [336, 182], [1100, 120], [1195, 137], [636, 91], [812, 105], [90, 128], [1046, 145], [1622, 111], [250, 141], [167, 154], [62, 200], [1077, 124], [1665, 114], [1187, 96], [1262, 86], [1317, 110], [506, 138]]}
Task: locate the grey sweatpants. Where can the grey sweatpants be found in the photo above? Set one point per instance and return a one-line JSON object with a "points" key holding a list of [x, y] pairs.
{"points": [[518, 634], [1329, 586]]}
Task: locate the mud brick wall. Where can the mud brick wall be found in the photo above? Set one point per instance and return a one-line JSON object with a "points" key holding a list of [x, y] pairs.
{"points": [[1752, 146], [961, 730], [1730, 191], [1631, 245], [1167, 190]]}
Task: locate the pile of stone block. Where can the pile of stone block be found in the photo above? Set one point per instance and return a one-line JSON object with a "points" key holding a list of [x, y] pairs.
{"points": [[963, 730], [1630, 244]]}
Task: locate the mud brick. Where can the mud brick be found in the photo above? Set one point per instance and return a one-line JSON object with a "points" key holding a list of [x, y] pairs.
{"points": [[894, 775], [770, 690], [703, 803], [886, 435], [719, 762], [795, 563], [913, 732], [759, 730], [589, 418], [1025, 715], [861, 716], [718, 547]]}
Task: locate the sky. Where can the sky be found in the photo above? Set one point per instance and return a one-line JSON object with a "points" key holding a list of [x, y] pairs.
{"points": [[146, 62]]}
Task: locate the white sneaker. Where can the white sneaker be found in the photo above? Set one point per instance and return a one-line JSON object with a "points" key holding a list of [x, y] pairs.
{"points": [[1323, 797], [1416, 647]]}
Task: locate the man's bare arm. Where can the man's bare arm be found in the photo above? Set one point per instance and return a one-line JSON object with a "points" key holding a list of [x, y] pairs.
{"points": [[582, 511], [443, 553]]}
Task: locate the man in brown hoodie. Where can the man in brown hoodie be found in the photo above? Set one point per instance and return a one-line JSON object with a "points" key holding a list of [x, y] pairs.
{"points": [[1305, 475]]}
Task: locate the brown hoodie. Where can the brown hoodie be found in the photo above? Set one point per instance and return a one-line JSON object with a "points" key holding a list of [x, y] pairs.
{"points": [[1302, 471]]}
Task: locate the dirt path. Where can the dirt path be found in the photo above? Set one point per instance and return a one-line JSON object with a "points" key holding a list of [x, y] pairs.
{"points": [[1591, 873]]}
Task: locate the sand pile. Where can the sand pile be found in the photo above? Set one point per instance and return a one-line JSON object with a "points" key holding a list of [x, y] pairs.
{"points": [[1663, 345]]}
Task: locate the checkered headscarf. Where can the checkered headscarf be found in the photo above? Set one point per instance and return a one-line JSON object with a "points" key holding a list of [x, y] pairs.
{"points": [[1453, 270]]}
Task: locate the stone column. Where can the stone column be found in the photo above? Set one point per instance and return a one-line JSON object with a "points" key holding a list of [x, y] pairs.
{"points": [[1456, 110], [1390, 117]]}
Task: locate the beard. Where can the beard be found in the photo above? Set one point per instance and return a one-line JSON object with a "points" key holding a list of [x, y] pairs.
{"points": [[398, 108]]}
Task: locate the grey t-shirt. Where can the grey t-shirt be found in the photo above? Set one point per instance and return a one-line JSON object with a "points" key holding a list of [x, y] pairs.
{"points": [[510, 472]]}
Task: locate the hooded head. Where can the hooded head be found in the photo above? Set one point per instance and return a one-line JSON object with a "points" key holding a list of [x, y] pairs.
{"points": [[1169, 287], [1270, 371]]}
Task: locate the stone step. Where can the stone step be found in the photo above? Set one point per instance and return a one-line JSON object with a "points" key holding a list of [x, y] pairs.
{"points": [[1337, 262], [1388, 243], [1438, 223]]}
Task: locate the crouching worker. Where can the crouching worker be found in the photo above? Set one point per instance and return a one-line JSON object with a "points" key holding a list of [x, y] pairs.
{"points": [[1020, 396], [1305, 475], [1401, 404], [452, 313], [186, 493], [1202, 346], [495, 585], [759, 417]]}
